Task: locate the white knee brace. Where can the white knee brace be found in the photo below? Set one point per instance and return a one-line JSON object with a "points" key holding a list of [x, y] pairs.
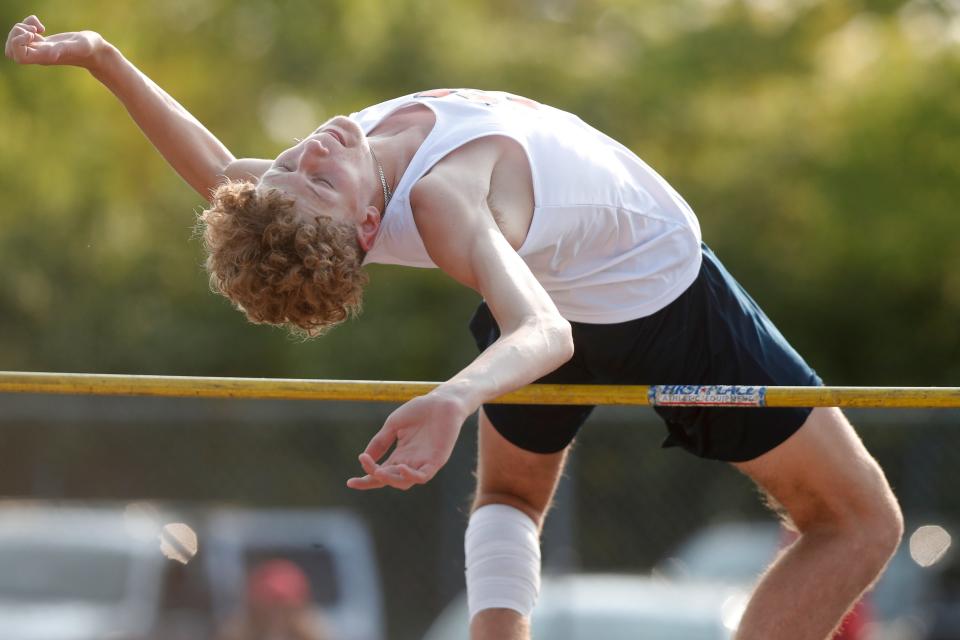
{"points": [[502, 548]]}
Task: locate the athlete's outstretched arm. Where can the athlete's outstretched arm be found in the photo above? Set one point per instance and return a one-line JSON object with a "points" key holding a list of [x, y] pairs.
{"points": [[195, 153], [463, 239]]}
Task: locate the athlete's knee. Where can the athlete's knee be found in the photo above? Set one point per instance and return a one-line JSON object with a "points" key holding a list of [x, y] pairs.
{"points": [[873, 513], [502, 551], [867, 517], [873, 536], [882, 528]]}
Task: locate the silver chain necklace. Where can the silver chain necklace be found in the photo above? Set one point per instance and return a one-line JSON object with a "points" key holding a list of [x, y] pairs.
{"points": [[387, 194]]}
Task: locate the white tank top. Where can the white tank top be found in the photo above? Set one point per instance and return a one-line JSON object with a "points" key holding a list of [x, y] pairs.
{"points": [[610, 240]]}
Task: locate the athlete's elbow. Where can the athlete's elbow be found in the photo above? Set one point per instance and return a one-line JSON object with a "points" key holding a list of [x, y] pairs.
{"points": [[561, 340]]}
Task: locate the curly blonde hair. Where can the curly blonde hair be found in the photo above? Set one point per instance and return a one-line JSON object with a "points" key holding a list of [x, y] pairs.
{"points": [[277, 267]]}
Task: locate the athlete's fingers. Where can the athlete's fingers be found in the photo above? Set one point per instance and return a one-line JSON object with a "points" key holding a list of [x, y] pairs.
{"points": [[381, 443], [394, 476], [368, 464], [418, 472], [34, 21], [409, 474], [365, 483], [368, 481], [23, 37], [19, 30], [19, 33], [416, 476], [397, 476], [401, 476], [19, 38]]}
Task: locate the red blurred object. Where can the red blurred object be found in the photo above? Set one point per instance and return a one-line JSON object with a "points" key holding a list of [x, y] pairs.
{"points": [[278, 582], [855, 625]]}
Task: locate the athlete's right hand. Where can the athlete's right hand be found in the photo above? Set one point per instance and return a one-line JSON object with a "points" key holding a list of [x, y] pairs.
{"points": [[26, 44]]}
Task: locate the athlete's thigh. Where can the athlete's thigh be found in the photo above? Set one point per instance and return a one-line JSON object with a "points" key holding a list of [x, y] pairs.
{"points": [[823, 473], [507, 474]]}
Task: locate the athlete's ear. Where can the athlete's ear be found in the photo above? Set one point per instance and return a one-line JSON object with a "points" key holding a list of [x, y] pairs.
{"points": [[368, 227]]}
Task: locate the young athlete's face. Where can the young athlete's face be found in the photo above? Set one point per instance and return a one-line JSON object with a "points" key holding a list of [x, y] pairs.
{"points": [[330, 173]]}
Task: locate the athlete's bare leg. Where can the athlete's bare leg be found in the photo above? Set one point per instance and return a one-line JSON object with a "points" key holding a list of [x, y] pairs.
{"points": [[849, 524], [526, 481]]}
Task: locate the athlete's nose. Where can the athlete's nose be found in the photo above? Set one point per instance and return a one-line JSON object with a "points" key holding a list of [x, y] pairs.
{"points": [[313, 152]]}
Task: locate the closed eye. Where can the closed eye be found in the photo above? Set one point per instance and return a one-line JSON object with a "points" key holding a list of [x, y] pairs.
{"points": [[314, 179]]}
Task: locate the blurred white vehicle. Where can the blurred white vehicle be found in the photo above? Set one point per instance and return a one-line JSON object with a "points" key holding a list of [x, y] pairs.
{"points": [[76, 573], [730, 552], [618, 607], [98, 573]]}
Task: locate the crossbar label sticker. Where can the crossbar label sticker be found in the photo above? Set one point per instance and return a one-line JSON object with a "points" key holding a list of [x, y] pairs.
{"points": [[707, 396]]}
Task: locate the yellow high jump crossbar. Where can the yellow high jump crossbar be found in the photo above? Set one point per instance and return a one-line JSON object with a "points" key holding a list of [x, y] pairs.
{"points": [[397, 391]]}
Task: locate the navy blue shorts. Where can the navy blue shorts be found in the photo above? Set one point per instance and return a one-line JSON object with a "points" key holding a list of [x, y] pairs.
{"points": [[714, 333]]}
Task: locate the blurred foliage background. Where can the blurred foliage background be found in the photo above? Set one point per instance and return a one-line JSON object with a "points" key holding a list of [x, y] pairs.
{"points": [[817, 140]]}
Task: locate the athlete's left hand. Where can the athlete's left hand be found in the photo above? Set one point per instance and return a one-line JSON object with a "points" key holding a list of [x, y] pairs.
{"points": [[424, 431]]}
